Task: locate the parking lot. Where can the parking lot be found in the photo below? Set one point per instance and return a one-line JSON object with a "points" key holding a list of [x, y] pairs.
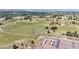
{"points": [[57, 43]]}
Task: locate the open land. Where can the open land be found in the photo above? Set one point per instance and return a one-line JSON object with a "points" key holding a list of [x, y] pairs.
{"points": [[39, 30]]}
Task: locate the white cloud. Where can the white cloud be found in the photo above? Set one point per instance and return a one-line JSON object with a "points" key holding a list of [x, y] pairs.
{"points": [[39, 4]]}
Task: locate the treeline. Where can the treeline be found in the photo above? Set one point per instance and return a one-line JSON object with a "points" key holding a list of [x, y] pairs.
{"points": [[72, 34], [20, 13]]}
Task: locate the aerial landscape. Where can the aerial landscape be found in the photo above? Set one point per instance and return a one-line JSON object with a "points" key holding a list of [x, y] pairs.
{"points": [[39, 29]]}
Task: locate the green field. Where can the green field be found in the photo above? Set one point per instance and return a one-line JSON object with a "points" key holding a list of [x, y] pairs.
{"points": [[21, 30], [29, 30], [68, 27]]}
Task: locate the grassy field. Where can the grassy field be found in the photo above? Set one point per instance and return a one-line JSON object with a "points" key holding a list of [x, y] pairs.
{"points": [[67, 27], [21, 30], [29, 30], [8, 38]]}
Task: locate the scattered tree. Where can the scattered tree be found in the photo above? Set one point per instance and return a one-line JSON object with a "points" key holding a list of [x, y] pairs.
{"points": [[32, 42], [1, 23], [48, 31], [69, 33], [54, 28], [75, 33], [14, 46], [72, 34], [46, 27]]}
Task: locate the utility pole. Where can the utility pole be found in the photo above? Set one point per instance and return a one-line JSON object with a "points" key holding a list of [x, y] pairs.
{"points": [[33, 32], [72, 44]]}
